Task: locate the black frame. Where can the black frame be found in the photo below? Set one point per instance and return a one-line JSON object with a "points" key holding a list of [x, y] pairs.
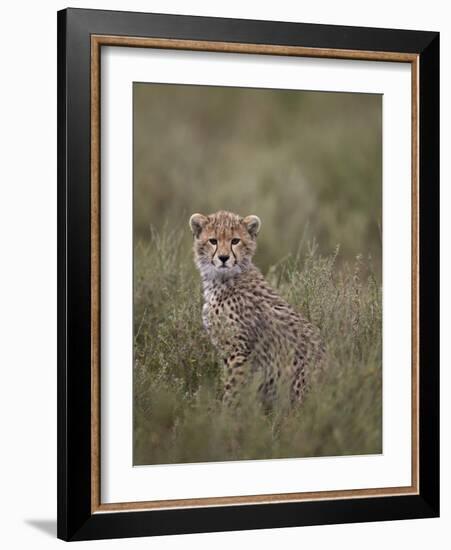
{"points": [[75, 520]]}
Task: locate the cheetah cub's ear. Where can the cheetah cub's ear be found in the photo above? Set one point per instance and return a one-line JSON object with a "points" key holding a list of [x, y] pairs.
{"points": [[196, 223], [253, 224]]}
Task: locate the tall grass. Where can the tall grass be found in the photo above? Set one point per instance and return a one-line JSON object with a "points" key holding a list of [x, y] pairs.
{"points": [[178, 413]]}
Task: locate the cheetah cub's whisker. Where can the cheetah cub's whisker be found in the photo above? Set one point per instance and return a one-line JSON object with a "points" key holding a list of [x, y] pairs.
{"points": [[254, 330]]}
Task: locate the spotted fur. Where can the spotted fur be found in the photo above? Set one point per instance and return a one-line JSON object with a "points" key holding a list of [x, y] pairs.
{"points": [[255, 330]]}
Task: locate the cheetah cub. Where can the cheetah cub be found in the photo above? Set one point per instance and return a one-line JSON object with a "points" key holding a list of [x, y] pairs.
{"points": [[250, 325]]}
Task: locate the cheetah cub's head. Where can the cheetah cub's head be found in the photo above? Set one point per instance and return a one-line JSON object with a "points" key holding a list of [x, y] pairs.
{"points": [[224, 243]]}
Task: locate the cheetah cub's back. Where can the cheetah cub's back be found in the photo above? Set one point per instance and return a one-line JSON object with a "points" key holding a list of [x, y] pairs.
{"points": [[251, 326]]}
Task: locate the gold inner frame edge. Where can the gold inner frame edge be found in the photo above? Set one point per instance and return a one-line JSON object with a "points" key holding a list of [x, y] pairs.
{"points": [[97, 41]]}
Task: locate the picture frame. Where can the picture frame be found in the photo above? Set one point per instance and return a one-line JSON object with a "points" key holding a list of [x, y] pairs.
{"points": [[81, 36]]}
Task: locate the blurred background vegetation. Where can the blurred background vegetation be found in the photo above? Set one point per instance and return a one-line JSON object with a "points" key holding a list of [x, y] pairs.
{"points": [[310, 165]]}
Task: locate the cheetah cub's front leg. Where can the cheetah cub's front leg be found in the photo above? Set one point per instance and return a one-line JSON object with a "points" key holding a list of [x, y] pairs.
{"points": [[235, 379]]}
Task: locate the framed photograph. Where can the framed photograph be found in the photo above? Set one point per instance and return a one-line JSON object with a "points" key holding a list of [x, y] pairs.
{"points": [[248, 274]]}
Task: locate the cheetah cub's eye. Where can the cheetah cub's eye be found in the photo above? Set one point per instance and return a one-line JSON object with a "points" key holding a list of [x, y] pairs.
{"points": [[235, 241], [213, 241]]}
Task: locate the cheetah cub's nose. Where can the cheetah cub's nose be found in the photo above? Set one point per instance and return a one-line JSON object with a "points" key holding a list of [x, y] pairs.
{"points": [[224, 258]]}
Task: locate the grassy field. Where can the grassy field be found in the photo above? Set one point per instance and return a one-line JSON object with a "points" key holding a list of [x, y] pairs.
{"points": [[178, 415], [309, 164]]}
